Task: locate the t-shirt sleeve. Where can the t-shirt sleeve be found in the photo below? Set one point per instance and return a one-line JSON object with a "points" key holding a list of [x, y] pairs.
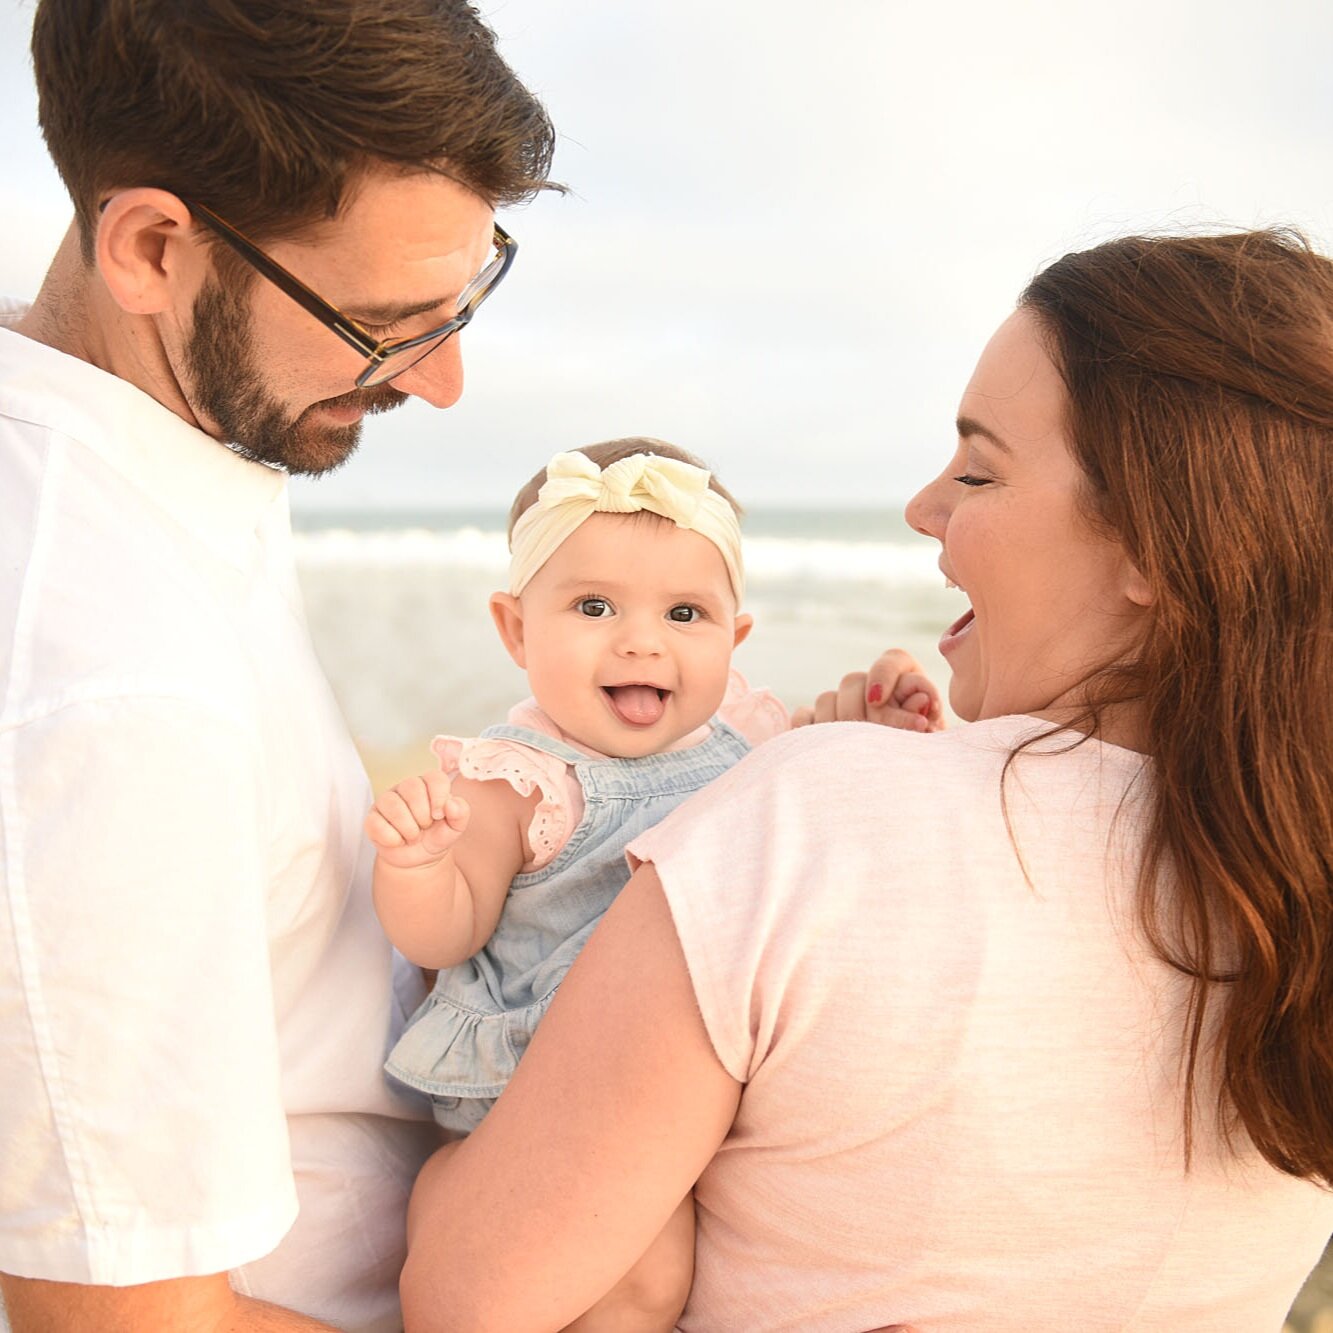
{"points": [[733, 862], [142, 1122]]}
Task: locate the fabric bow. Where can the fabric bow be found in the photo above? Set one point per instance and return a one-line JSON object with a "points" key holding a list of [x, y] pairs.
{"points": [[576, 488], [665, 486]]}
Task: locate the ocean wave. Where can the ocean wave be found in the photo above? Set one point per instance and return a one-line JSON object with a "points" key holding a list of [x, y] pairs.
{"points": [[767, 559]]}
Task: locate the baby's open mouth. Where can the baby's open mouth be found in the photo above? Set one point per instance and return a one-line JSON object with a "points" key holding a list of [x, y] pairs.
{"points": [[637, 705]]}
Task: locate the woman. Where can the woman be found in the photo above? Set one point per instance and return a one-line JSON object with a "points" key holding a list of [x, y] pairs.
{"points": [[1027, 1025]]}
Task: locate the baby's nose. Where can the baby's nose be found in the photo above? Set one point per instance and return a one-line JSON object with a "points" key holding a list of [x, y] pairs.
{"points": [[640, 637]]}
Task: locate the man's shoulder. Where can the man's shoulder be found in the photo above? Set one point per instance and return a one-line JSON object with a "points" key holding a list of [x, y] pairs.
{"points": [[105, 597]]}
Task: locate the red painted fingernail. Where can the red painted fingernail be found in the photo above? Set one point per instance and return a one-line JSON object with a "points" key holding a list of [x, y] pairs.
{"points": [[875, 693]]}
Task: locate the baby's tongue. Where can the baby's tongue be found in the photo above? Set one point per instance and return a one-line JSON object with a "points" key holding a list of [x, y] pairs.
{"points": [[639, 705]]}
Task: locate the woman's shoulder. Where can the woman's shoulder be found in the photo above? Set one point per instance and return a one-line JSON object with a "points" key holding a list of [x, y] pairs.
{"points": [[978, 743], [832, 745], [838, 765]]}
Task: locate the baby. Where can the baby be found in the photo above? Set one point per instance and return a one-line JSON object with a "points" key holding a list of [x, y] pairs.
{"points": [[623, 608]]}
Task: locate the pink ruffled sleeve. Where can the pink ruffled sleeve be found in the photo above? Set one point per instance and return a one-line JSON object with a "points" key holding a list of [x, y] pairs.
{"points": [[758, 715], [526, 770]]}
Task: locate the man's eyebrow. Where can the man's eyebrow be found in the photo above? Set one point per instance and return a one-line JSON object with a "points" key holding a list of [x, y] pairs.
{"points": [[391, 314], [967, 426]]}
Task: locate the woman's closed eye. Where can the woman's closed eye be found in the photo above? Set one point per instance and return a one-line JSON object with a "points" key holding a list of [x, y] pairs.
{"points": [[971, 479]]}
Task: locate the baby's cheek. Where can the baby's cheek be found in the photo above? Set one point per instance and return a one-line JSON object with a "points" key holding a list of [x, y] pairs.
{"points": [[714, 692]]}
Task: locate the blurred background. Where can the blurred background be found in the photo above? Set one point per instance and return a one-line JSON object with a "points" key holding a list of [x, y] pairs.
{"points": [[792, 227], [790, 231]]}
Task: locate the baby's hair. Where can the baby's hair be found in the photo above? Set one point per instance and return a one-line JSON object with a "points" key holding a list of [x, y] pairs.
{"points": [[612, 451]]}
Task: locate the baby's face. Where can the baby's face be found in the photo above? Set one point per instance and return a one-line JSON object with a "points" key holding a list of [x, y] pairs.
{"points": [[626, 633]]}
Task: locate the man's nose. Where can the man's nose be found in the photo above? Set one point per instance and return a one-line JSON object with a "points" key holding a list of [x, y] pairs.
{"points": [[437, 378]]}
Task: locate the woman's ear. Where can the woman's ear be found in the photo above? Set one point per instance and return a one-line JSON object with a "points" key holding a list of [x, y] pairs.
{"points": [[1137, 588], [145, 251], [507, 612]]}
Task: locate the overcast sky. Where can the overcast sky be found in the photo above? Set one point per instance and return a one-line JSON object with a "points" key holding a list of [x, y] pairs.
{"points": [[793, 227]]}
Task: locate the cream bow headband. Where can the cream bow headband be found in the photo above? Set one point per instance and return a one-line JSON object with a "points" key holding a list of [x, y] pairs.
{"points": [[576, 488]]}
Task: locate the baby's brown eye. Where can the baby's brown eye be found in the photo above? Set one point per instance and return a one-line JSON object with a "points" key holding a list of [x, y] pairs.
{"points": [[594, 607], [683, 615]]}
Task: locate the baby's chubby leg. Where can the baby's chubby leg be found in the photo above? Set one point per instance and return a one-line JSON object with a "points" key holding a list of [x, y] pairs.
{"points": [[650, 1297]]}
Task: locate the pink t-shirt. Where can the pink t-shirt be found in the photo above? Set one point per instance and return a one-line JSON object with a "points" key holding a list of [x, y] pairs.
{"points": [[962, 1105]]}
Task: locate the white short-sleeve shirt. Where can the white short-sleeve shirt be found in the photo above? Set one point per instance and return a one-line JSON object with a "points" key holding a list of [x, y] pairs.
{"points": [[195, 996]]}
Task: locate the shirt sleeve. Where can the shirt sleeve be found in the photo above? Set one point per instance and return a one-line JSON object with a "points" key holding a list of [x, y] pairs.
{"points": [[142, 1122], [734, 862], [494, 759], [758, 714]]}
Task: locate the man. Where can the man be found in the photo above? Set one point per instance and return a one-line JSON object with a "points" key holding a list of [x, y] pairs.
{"points": [[283, 214]]}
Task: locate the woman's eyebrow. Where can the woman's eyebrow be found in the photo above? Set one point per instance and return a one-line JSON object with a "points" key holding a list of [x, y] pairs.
{"points": [[967, 426]]}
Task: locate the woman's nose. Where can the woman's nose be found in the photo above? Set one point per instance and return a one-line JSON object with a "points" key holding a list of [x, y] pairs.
{"points": [[927, 511]]}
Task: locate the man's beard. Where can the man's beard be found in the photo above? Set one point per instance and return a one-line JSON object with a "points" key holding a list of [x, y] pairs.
{"points": [[227, 387]]}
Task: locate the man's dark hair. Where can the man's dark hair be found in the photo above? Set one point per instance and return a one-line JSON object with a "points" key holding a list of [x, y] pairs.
{"points": [[269, 112]]}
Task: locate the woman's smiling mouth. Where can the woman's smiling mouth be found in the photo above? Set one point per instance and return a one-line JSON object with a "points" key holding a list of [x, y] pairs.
{"points": [[957, 631]]}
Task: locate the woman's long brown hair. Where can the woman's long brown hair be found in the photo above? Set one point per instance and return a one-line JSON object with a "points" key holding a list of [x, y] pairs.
{"points": [[1200, 381]]}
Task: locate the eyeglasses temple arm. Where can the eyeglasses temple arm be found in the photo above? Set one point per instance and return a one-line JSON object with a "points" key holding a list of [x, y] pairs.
{"points": [[327, 314]]}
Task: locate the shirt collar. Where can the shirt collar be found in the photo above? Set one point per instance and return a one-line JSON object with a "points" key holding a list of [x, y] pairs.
{"points": [[211, 490]]}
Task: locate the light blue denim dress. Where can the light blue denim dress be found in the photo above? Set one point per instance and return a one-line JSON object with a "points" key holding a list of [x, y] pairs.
{"points": [[464, 1042]]}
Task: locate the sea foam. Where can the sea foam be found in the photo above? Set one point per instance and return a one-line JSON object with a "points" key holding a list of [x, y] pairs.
{"points": [[478, 550]]}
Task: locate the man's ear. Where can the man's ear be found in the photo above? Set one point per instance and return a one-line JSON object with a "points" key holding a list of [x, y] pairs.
{"points": [[507, 612], [744, 624], [145, 250]]}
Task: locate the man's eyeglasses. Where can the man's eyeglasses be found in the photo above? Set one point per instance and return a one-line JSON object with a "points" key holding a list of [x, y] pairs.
{"points": [[385, 357]]}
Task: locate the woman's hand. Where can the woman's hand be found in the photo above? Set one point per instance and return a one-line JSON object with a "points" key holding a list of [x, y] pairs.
{"points": [[895, 692]]}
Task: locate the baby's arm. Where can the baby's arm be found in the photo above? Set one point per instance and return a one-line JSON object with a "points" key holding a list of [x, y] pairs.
{"points": [[445, 855], [894, 692]]}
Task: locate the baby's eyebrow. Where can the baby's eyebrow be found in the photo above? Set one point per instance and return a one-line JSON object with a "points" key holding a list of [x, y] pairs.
{"points": [[594, 587], [968, 426], [583, 582]]}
